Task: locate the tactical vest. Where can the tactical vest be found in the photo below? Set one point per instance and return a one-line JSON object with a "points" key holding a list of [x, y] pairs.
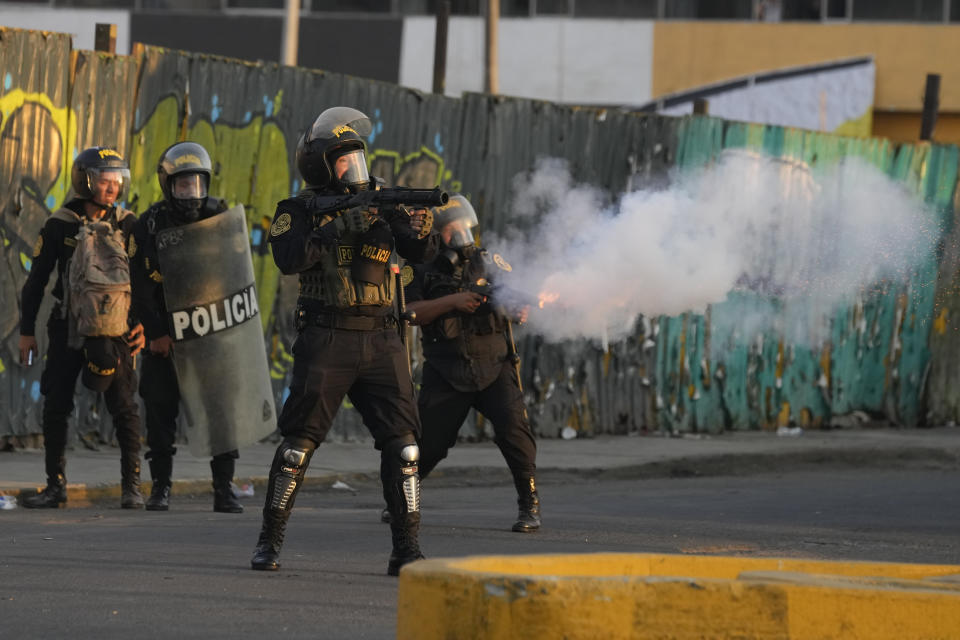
{"points": [[453, 325], [331, 283]]}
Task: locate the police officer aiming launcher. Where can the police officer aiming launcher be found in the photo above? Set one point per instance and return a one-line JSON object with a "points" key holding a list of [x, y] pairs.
{"points": [[339, 235]]}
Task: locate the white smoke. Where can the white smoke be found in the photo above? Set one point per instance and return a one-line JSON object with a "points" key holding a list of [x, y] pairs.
{"points": [[747, 223]]}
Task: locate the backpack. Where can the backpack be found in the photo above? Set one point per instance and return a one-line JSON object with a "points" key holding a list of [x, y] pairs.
{"points": [[97, 281]]}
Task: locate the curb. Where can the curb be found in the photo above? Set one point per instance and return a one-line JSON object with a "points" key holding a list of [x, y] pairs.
{"points": [[735, 464], [622, 595]]}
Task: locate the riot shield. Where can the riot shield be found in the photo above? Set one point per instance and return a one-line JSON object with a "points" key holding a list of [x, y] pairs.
{"points": [[214, 319]]}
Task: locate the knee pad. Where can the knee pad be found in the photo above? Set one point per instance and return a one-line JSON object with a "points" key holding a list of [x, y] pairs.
{"points": [[405, 454], [290, 465]]}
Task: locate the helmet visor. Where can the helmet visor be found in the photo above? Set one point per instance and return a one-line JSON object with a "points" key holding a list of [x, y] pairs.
{"points": [[351, 168], [189, 186], [457, 234], [454, 222], [107, 184], [334, 123]]}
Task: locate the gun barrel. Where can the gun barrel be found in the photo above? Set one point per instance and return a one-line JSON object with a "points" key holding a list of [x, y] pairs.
{"points": [[435, 197]]}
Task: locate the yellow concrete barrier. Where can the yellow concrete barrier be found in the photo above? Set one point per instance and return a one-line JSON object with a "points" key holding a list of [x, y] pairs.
{"points": [[613, 596]]}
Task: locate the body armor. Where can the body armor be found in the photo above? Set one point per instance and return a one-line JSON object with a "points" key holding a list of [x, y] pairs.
{"points": [[332, 282]]}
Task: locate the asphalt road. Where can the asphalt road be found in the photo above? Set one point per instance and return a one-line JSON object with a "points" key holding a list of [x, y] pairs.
{"points": [[100, 572]]}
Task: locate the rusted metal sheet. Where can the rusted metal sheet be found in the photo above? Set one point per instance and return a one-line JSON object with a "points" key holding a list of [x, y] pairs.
{"points": [[35, 147]]}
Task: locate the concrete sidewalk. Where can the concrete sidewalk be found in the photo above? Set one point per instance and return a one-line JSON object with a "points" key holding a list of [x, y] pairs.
{"points": [[95, 475]]}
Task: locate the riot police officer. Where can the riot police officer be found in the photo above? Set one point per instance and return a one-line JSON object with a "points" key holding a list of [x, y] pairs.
{"points": [[348, 343], [469, 354], [184, 174], [99, 177]]}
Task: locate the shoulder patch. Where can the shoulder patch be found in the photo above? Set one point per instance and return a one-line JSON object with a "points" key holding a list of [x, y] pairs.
{"points": [[281, 225], [406, 275], [500, 262], [38, 246], [132, 246]]}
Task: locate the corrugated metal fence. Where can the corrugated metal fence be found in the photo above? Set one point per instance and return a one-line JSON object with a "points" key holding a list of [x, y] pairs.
{"points": [[890, 355]]}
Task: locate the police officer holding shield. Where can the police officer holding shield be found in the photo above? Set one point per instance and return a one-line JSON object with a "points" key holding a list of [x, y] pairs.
{"points": [[470, 359], [348, 343], [184, 174], [100, 178]]}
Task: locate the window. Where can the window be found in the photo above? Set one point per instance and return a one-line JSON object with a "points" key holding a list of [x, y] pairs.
{"points": [[556, 7], [350, 6], [709, 9], [615, 8], [900, 10], [457, 7]]}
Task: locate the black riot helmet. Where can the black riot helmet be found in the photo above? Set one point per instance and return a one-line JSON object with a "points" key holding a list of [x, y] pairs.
{"points": [[95, 164], [332, 152], [184, 174], [454, 221]]}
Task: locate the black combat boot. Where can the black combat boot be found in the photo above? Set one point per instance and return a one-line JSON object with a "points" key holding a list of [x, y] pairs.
{"points": [[528, 520], [161, 470], [54, 495], [130, 497], [406, 546], [266, 555], [286, 475], [223, 499]]}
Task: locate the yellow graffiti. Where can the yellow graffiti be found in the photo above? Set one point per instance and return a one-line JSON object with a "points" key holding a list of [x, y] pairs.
{"points": [[65, 120]]}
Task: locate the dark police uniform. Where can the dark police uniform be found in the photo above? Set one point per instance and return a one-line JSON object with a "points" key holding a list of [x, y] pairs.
{"points": [[347, 344], [158, 377], [53, 250], [466, 365]]}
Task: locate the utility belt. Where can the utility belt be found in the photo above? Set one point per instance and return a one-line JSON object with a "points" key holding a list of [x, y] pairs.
{"points": [[306, 318]]}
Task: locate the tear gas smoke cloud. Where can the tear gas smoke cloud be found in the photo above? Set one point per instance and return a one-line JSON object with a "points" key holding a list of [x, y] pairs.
{"points": [[749, 223]]}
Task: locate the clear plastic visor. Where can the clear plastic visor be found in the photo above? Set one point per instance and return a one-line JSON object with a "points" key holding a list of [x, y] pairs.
{"points": [[108, 181], [351, 168], [457, 234], [337, 121], [189, 186]]}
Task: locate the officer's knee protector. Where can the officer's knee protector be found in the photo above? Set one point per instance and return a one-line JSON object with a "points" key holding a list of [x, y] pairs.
{"points": [[405, 453], [290, 465]]}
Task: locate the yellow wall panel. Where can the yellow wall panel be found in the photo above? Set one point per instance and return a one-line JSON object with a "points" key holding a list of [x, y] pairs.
{"points": [[691, 54]]}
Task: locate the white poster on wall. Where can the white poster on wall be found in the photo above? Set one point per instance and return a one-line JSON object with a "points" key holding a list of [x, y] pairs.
{"points": [[835, 97]]}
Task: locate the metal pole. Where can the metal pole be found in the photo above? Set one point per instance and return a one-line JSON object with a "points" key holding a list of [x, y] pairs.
{"points": [[291, 33], [931, 102], [440, 48], [492, 84]]}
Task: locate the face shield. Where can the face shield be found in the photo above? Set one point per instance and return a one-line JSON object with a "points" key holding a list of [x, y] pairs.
{"points": [[188, 186], [189, 191], [339, 122], [455, 221], [351, 168], [107, 184]]}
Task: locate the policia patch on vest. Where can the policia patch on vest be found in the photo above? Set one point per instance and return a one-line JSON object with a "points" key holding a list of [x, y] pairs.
{"points": [[38, 246], [281, 225], [132, 247]]}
